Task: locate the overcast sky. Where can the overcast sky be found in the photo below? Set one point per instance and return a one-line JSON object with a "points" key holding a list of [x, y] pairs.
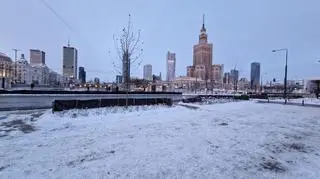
{"points": [[241, 32]]}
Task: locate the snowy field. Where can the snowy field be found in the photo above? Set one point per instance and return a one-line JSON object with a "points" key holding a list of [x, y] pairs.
{"points": [[300, 101], [230, 140], [306, 101]]}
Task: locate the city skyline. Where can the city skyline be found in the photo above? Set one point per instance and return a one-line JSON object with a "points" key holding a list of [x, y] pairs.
{"points": [[239, 37]]}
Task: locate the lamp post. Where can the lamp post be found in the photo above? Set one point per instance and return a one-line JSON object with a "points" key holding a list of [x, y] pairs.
{"points": [[285, 72]]}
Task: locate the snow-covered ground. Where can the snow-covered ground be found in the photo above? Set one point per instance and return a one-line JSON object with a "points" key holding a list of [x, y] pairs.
{"points": [[306, 100], [313, 101], [230, 140]]}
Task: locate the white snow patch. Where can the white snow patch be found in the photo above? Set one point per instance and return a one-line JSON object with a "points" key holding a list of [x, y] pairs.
{"points": [[231, 140]]}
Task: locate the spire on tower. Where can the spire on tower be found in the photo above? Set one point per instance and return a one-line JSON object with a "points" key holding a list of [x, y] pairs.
{"points": [[68, 42], [203, 34], [203, 29]]}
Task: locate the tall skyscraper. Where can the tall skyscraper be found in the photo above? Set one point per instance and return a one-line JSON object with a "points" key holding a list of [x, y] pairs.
{"points": [[70, 62], [234, 76], [227, 78], [171, 66], [82, 75], [202, 58], [147, 72], [119, 79], [255, 75], [37, 57]]}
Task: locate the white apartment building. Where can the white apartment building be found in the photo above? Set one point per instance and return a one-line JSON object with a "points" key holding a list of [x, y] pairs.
{"points": [[40, 74], [22, 71]]}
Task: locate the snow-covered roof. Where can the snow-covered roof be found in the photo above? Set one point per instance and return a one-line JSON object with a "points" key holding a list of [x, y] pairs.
{"points": [[39, 65], [4, 57], [22, 61], [2, 54]]}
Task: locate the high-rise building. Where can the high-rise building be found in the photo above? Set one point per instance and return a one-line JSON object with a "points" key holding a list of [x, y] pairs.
{"points": [[119, 79], [227, 78], [147, 72], [70, 62], [37, 57], [202, 58], [82, 75], [157, 77], [243, 84], [217, 73], [255, 75], [171, 66], [227, 81], [234, 76], [96, 80]]}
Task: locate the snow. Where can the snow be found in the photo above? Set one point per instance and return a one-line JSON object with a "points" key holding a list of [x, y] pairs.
{"points": [[230, 140], [306, 100], [311, 101]]}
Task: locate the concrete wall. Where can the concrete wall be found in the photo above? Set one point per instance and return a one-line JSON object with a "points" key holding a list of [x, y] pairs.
{"points": [[38, 101]]}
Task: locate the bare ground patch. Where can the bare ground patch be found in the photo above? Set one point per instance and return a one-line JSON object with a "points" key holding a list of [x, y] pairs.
{"points": [[270, 163], [90, 157], [14, 125], [4, 167]]}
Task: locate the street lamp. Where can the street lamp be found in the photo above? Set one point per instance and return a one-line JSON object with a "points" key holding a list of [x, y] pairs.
{"points": [[285, 71]]}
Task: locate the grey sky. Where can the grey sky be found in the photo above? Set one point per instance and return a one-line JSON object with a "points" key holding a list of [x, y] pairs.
{"points": [[241, 31]]}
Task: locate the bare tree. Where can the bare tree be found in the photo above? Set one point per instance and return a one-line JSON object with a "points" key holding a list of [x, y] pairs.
{"points": [[129, 50]]}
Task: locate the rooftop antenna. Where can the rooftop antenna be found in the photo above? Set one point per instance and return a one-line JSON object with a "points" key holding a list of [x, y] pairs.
{"points": [[203, 28], [68, 42], [203, 19]]}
